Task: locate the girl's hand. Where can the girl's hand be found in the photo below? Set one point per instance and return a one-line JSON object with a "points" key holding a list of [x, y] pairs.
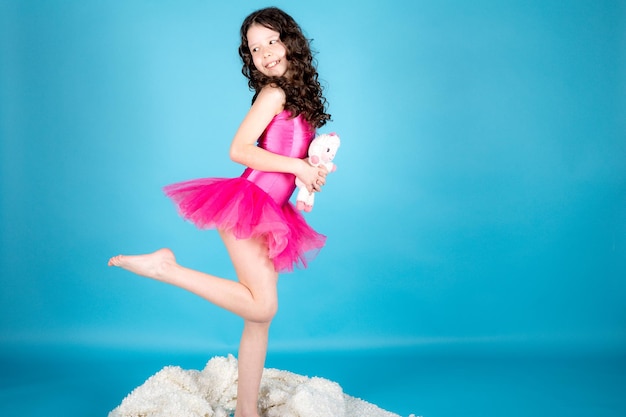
{"points": [[313, 177]]}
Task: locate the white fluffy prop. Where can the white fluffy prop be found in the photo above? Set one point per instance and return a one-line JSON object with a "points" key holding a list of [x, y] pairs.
{"points": [[212, 392]]}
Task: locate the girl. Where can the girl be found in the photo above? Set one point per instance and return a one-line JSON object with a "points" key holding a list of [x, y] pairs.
{"points": [[263, 233]]}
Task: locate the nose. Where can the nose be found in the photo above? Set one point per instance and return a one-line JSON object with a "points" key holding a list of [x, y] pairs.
{"points": [[266, 50]]}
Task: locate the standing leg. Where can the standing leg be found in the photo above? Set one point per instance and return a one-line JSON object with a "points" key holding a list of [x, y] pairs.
{"points": [[251, 361], [256, 272]]}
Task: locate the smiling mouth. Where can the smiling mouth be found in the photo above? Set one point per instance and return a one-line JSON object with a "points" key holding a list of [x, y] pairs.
{"points": [[272, 64]]}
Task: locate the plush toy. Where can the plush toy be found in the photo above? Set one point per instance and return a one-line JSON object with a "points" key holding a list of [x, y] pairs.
{"points": [[322, 150]]}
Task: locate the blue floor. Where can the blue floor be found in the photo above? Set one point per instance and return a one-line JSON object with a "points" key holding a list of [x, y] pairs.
{"points": [[89, 382]]}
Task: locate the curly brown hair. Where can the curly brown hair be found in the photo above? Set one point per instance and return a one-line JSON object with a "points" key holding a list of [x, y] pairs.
{"points": [[302, 89]]}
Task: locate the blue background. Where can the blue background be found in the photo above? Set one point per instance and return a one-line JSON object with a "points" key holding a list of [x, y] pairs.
{"points": [[479, 203]]}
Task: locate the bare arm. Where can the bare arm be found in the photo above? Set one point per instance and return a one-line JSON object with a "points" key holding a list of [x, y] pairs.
{"points": [[243, 149]]}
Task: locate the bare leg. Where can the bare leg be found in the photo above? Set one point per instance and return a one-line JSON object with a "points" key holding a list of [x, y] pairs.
{"points": [[254, 298], [252, 352], [255, 271]]}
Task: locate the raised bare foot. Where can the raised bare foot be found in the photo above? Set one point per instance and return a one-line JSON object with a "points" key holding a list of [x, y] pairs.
{"points": [[152, 265]]}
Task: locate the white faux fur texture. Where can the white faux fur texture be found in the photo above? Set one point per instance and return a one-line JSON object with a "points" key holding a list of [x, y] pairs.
{"points": [[212, 392]]}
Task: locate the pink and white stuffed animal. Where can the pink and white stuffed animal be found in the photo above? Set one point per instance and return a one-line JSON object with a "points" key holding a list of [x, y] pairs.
{"points": [[322, 151]]}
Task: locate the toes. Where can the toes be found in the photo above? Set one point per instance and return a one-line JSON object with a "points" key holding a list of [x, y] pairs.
{"points": [[115, 261]]}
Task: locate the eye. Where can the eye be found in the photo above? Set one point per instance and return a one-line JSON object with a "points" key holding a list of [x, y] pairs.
{"points": [[255, 49]]}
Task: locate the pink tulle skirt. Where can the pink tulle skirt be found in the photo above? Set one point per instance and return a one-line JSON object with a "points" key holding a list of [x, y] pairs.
{"points": [[239, 206]]}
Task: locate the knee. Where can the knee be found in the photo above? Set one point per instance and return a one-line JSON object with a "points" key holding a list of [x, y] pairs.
{"points": [[266, 311]]}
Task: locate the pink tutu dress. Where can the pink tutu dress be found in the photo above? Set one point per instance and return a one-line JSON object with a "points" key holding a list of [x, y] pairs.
{"points": [[256, 204]]}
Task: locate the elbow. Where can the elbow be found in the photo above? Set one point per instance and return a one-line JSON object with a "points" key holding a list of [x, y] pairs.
{"points": [[237, 154]]}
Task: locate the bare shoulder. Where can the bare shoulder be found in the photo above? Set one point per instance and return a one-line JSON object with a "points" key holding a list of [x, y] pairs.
{"points": [[272, 97]]}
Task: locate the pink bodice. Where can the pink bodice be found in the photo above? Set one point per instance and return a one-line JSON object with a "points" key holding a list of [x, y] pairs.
{"points": [[284, 136]]}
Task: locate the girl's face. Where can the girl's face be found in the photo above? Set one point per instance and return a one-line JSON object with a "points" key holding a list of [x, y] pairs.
{"points": [[268, 52]]}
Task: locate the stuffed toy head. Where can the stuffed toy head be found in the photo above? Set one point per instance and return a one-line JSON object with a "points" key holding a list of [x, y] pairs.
{"points": [[323, 148]]}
